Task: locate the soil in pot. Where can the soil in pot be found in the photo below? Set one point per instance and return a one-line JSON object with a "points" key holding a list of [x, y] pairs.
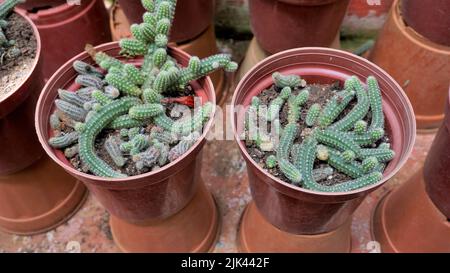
{"points": [[17, 60], [317, 97]]}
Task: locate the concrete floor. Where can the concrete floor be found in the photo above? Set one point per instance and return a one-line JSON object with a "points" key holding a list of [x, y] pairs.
{"points": [[224, 172]]}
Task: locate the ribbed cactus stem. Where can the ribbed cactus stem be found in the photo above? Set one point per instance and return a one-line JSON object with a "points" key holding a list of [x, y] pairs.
{"points": [[89, 81], [75, 112], [381, 154], [93, 127], [368, 138], [271, 161], [71, 97], [292, 81], [64, 140], [307, 155], [360, 127], [183, 146], [351, 185], [369, 164], [337, 161], [86, 69], [335, 107], [145, 111], [112, 146], [124, 121], [7, 6], [313, 114], [338, 140]]}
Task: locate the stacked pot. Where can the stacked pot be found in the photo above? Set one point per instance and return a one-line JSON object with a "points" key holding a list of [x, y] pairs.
{"points": [[287, 218], [414, 47], [168, 210], [416, 216], [35, 194], [284, 24], [192, 31], [66, 28]]}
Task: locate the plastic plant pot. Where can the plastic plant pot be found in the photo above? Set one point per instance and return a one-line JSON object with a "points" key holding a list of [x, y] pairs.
{"points": [[296, 210], [416, 216], [140, 201], [66, 28], [282, 25], [35, 195], [418, 64], [191, 17], [429, 18]]}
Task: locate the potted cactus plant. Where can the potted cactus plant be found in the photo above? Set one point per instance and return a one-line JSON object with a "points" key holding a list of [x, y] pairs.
{"points": [[131, 133], [58, 21], [330, 141], [35, 195]]}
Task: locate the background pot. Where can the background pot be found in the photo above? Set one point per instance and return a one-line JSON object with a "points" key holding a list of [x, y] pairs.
{"points": [[155, 195], [430, 18], [35, 195], [436, 169], [65, 29], [296, 210], [419, 65], [191, 17], [281, 25]]}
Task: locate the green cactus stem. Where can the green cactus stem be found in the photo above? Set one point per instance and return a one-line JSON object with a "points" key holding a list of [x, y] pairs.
{"points": [[145, 111], [183, 146], [151, 96], [71, 152], [89, 81], [360, 127], [196, 122], [286, 141], [132, 132], [305, 164], [290, 171], [360, 182], [71, 110], [7, 6], [335, 107], [64, 140], [55, 122], [322, 152], [147, 158], [376, 103], [164, 152], [337, 161], [86, 69], [112, 146], [381, 154], [276, 104], [271, 161], [123, 84], [125, 122], [165, 137], [93, 127], [368, 138], [71, 97], [348, 156], [101, 97], [292, 81], [294, 105], [164, 122], [313, 114], [369, 164], [358, 112], [86, 93], [337, 140]]}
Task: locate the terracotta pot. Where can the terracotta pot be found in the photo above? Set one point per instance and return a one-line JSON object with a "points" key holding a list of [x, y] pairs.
{"points": [[66, 29], [296, 210], [406, 220], [429, 18], [419, 65], [436, 169], [296, 23], [191, 17], [35, 196], [203, 46], [255, 54], [137, 200]]}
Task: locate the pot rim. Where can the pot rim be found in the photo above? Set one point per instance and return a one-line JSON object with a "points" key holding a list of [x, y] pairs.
{"points": [[105, 180], [36, 57], [289, 187]]}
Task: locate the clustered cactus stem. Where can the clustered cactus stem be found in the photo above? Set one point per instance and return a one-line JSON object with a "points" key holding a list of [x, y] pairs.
{"points": [[131, 100], [330, 134], [8, 49]]}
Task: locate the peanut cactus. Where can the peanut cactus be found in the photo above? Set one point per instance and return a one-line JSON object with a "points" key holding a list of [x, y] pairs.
{"points": [[326, 135], [64, 140]]}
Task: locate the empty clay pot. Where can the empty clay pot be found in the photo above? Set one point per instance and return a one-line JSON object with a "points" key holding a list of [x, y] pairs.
{"points": [[281, 25], [296, 210], [141, 199], [66, 29], [436, 169], [35, 195], [203, 46], [430, 18], [191, 17], [419, 65], [406, 220]]}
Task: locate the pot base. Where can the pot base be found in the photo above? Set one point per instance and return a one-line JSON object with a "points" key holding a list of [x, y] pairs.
{"points": [[255, 54], [256, 234], [39, 198], [406, 220], [194, 229]]}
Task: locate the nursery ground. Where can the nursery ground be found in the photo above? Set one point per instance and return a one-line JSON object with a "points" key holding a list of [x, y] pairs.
{"points": [[225, 174]]}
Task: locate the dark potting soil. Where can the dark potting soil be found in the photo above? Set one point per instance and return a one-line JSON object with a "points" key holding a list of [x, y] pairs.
{"points": [[129, 168], [13, 71], [321, 94]]}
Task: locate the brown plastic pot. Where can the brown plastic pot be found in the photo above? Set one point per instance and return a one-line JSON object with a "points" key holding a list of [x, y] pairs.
{"points": [[191, 17], [65, 29], [137, 200], [296, 210], [281, 25], [430, 18], [419, 65], [35, 195], [436, 169], [406, 220]]}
